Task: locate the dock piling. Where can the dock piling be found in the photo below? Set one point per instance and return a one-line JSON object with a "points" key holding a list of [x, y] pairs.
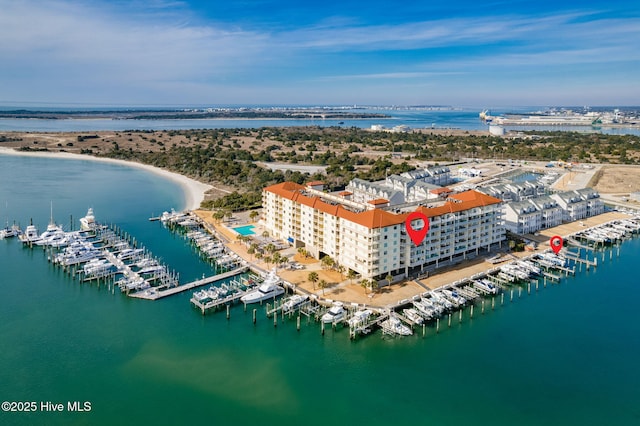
{"points": [[254, 313]]}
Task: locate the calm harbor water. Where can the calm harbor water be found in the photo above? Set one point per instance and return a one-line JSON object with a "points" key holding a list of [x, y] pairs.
{"points": [[454, 118], [566, 354]]}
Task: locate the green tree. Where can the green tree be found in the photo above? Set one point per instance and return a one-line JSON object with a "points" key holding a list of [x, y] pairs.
{"points": [[364, 283], [218, 215], [327, 262], [341, 270], [253, 215], [351, 274], [313, 277], [270, 248], [389, 278], [323, 284]]}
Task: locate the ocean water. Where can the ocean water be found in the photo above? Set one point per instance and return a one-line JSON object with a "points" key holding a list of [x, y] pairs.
{"points": [[566, 354], [454, 118]]}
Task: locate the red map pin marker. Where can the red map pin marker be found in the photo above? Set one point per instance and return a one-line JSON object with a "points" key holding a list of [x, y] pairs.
{"points": [[417, 235], [556, 243]]}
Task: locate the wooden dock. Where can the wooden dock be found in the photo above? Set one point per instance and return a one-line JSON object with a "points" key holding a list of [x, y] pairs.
{"points": [[152, 294]]}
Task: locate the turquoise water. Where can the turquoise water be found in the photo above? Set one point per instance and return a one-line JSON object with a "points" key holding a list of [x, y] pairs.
{"points": [[566, 354], [245, 230], [525, 177]]}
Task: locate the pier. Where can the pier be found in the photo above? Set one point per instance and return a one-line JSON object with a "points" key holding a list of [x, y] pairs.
{"points": [[152, 294]]}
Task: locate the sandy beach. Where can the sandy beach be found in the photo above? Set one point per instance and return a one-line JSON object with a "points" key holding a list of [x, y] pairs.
{"points": [[192, 189]]}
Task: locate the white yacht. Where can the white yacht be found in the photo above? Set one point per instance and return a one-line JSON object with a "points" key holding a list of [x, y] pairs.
{"points": [[359, 318], [9, 232], [88, 222], [393, 325], [267, 290], [30, 235], [53, 232], [486, 285], [294, 302], [413, 315], [335, 314]]}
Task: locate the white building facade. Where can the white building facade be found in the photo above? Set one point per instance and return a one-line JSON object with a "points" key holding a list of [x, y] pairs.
{"points": [[373, 241]]}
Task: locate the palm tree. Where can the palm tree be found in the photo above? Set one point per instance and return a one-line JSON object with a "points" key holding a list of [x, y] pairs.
{"points": [[374, 285], [267, 260], [365, 284], [253, 215], [265, 234], [327, 262], [389, 278], [228, 215], [270, 248], [323, 284], [302, 252], [351, 274], [251, 250], [276, 258], [313, 277], [340, 269]]}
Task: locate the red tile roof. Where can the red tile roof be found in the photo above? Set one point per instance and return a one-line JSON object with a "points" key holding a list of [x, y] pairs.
{"points": [[378, 218], [379, 201]]}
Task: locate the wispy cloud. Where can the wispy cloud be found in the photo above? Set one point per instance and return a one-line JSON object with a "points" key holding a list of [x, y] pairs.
{"points": [[162, 49]]}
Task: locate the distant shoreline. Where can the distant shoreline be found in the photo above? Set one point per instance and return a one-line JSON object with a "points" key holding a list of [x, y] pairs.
{"points": [[192, 189]]}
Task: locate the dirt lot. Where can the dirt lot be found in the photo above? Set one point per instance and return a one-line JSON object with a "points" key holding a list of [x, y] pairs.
{"points": [[618, 180]]}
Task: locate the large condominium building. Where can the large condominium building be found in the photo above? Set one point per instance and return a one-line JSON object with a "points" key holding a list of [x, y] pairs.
{"points": [[371, 238]]}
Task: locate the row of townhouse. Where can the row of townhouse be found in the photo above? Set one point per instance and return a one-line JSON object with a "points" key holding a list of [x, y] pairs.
{"points": [[532, 215], [408, 187], [373, 241], [513, 192]]}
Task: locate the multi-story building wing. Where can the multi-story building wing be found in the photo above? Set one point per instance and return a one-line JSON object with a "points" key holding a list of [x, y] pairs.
{"points": [[574, 206], [522, 217], [373, 241], [551, 212]]}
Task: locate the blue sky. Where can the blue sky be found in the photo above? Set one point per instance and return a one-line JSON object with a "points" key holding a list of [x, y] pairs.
{"points": [[212, 52]]}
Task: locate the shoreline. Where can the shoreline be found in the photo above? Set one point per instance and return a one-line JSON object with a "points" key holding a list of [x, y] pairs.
{"points": [[193, 191]]}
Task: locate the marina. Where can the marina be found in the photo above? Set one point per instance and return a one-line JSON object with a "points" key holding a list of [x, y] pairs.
{"points": [[98, 252], [126, 347]]}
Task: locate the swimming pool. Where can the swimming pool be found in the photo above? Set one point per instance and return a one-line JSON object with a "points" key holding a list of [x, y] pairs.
{"points": [[245, 230]]}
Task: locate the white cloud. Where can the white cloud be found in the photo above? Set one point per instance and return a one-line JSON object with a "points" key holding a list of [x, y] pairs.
{"points": [[137, 51]]}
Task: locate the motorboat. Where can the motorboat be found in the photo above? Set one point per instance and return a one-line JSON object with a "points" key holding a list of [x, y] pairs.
{"points": [[487, 286], [53, 233], [426, 310], [294, 302], [267, 290], [335, 313], [413, 316], [393, 325], [129, 253], [88, 223], [9, 231], [31, 235], [359, 318]]}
